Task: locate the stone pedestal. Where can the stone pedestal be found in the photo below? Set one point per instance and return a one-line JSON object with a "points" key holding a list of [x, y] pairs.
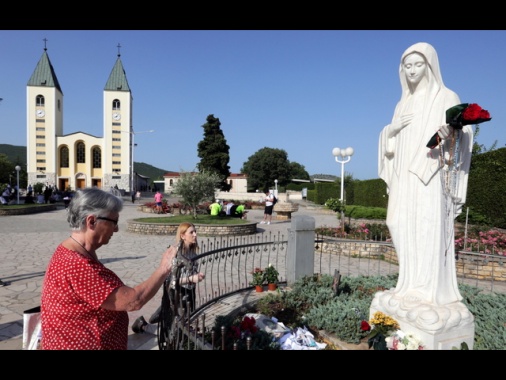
{"points": [[440, 327], [445, 340], [284, 210]]}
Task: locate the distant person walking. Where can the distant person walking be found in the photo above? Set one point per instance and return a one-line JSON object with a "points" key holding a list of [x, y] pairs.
{"points": [[269, 205], [47, 194], [158, 200]]}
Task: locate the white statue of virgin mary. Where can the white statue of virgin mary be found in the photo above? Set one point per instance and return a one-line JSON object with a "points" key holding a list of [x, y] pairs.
{"points": [[427, 188]]}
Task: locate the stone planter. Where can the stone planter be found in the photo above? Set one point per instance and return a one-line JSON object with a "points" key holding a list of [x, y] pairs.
{"points": [[284, 210], [148, 228]]}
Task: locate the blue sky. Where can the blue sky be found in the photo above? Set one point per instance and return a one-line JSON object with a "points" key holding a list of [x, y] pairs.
{"points": [[304, 91]]}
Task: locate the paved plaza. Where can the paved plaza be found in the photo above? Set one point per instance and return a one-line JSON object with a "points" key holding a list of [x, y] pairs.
{"points": [[28, 241]]}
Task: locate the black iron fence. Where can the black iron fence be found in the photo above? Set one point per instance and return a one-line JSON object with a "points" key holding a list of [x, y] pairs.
{"points": [[228, 263]]}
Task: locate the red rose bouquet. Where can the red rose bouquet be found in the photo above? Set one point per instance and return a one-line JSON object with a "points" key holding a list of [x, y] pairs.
{"points": [[460, 115]]}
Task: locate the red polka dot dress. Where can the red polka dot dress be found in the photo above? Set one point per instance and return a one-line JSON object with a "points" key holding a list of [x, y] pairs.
{"points": [[74, 288]]}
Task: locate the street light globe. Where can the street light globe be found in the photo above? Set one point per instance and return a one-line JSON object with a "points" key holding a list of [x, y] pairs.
{"points": [[349, 151], [18, 168], [336, 152]]}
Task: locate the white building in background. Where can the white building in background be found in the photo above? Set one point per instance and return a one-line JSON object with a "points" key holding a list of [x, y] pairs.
{"points": [[238, 182]]}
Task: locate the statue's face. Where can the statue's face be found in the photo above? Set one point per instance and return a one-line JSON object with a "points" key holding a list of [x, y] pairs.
{"points": [[414, 67]]}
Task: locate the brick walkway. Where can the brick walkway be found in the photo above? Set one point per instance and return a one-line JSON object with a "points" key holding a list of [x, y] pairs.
{"points": [[28, 241]]}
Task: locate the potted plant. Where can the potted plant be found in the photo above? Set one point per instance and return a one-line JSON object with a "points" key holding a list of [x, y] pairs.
{"points": [[258, 279], [271, 276]]}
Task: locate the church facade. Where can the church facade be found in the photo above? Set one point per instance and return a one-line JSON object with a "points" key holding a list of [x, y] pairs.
{"points": [[79, 160]]}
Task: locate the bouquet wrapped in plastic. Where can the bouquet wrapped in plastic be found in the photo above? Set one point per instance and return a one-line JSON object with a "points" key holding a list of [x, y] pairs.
{"points": [[458, 116]]}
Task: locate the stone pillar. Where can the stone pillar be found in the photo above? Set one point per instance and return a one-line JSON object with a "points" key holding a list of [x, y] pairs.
{"points": [[301, 243]]}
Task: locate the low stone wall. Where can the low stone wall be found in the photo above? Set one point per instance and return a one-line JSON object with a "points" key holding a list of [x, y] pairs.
{"points": [[147, 228], [360, 248], [14, 210], [481, 267], [469, 264]]}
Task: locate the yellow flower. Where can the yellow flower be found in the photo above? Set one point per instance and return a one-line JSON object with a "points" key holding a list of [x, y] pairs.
{"points": [[381, 319]]}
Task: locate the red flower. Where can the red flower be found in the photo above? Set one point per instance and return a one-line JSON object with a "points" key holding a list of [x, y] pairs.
{"points": [[248, 325], [364, 326], [465, 113], [473, 114]]}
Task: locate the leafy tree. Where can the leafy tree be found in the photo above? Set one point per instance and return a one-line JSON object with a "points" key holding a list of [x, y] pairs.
{"points": [[213, 151], [298, 171], [6, 168], [479, 148], [38, 188], [195, 188], [266, 165], [8, 172]]}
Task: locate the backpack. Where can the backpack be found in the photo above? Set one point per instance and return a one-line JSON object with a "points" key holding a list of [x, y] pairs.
{"points": [[274, 200]]}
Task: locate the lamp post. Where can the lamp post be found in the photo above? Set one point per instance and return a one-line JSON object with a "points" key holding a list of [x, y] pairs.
{"points": [[346, 157], [133, 133], [18, 168], [276, 184]]}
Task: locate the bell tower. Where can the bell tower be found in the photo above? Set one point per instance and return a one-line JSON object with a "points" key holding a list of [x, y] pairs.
{"points": [[118, 129], [44, 122]]}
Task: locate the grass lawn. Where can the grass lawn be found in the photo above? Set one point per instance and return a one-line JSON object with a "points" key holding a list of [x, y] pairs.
{"points": [[23, 205]]}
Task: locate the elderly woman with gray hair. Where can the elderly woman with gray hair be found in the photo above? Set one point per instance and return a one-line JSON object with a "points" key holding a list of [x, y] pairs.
{"points": [[84, 305]]}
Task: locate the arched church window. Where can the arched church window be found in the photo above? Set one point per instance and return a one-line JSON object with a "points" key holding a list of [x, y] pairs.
{"points": [[39, 101], [81, 154], [116, 104], [97, 158], [64, 157]]}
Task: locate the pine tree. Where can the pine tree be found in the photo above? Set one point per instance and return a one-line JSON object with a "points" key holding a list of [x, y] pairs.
{"points": [[213, 151]]}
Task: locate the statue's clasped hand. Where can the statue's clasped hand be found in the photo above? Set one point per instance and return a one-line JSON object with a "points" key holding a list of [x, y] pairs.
{"points": [[445, 131], [399, 124]]}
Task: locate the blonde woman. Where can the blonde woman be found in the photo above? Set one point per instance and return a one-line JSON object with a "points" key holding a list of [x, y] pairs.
{"points": [[187, 245]]}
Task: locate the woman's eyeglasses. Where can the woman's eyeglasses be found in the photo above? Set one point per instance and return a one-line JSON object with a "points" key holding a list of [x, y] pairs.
{"points": [[108, 219]]}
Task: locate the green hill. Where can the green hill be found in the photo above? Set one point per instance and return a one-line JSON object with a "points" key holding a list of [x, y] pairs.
{"points": [[15, 154], [154, 174]]}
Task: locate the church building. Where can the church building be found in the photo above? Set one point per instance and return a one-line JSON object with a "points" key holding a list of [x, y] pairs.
{"points": [[79, 160]]}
